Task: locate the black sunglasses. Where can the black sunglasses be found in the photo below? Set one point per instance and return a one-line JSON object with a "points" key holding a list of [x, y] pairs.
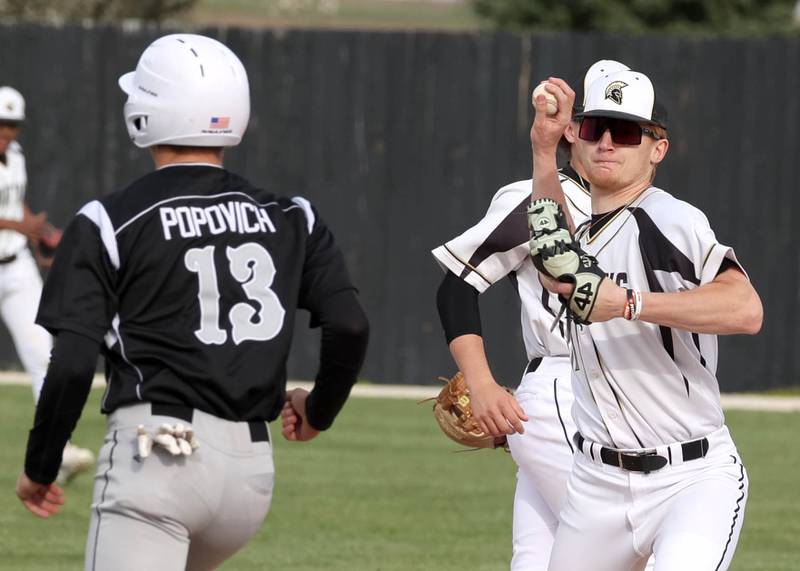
{"points": [[623, 132], [10, 123]]}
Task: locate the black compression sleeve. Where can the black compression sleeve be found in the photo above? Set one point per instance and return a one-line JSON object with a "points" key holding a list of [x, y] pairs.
{"points": [[345, 332], [727, 264], [66, 388], [458, 307]]}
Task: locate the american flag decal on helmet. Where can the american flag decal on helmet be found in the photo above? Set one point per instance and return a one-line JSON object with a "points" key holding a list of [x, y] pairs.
{"points": [[220, 122]]}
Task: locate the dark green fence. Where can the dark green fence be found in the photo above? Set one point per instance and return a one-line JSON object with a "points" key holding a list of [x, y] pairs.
{"points": [[400, 139]]}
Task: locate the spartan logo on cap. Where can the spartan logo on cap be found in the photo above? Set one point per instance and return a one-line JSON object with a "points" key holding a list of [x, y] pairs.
{"points": [[614, 91], [9, 106]]}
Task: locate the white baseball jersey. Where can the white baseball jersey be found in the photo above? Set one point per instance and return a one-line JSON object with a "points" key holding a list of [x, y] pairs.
{"points": [[637, 384], [13, 180], [497, 246]]}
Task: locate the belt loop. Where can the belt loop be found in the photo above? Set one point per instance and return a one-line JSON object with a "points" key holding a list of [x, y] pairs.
{"points": [[258, 431], [677, 453]]}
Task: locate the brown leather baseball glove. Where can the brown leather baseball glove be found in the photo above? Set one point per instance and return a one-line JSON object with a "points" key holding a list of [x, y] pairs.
{"points": [[453, 412]]}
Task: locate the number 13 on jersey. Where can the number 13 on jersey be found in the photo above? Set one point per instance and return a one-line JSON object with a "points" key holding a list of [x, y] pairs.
{"points": [[252, 266]]}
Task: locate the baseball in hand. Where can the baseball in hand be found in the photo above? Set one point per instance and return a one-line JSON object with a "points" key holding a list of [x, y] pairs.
{"points": [[552, 104]]}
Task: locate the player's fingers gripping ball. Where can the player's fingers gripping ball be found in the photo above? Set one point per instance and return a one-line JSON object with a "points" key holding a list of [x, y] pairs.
{"points": [[552, 102], [453, 412], [555, 253]]}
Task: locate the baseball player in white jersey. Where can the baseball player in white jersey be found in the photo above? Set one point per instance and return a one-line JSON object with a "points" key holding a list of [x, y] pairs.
{"points": [[494, 248], [188, 281], [20, 282], [656, 471]]}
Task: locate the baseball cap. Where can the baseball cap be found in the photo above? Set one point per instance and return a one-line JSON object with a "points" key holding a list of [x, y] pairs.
{"points": [[597, 70], [12, 105], [625, 94]]}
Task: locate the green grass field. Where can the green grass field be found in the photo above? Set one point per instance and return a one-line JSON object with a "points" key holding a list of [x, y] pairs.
{"points": [[384, 491]]}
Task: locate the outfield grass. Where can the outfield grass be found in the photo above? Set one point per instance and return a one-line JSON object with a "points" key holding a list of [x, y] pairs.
{"points": [[792, 391], [384, 491]]}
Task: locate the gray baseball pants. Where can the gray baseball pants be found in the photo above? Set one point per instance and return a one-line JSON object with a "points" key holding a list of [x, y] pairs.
{"points": [[171, 513]]}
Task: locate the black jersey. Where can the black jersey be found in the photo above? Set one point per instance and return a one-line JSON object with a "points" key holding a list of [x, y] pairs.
{"points": [[190, 277]]}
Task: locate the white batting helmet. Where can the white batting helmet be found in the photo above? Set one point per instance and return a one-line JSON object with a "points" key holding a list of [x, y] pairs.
{"points": [[187, 90], [12, 105]]}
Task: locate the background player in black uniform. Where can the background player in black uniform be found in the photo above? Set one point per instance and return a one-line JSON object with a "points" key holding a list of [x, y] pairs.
{"points": [[187, 281]]}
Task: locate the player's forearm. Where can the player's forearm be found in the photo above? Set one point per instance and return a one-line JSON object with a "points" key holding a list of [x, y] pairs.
{"points": [[64, 394], [345, 334], [459, 312], [6, 224], [727, 305], [470, 356], [546, 183], [545, 175]]}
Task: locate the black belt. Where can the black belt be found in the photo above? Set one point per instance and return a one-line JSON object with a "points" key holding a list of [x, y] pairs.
{"points": [[645, 462], [8, 260], [258, 428], [533, 365]]}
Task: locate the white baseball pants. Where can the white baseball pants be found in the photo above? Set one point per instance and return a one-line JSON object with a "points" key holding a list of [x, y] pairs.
{"points": [[688, 514], [544, 456], [20, 290], [176, 512]]}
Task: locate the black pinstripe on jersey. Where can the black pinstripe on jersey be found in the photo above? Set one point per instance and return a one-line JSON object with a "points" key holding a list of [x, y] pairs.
{"points": [[513, 230], [659, 254]]}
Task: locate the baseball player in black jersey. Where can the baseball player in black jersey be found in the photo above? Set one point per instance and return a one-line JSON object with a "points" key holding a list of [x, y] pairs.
{"points": [[656, 471], [187, 281]]}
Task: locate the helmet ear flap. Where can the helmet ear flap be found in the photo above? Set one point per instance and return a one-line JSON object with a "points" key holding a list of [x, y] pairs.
{"points": [[140, 123], [137, 125]]}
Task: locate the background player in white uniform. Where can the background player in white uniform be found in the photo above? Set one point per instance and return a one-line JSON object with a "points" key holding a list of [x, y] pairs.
{"points": [[657, 470], [497, 247], [189, 279], [20, 282]]}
